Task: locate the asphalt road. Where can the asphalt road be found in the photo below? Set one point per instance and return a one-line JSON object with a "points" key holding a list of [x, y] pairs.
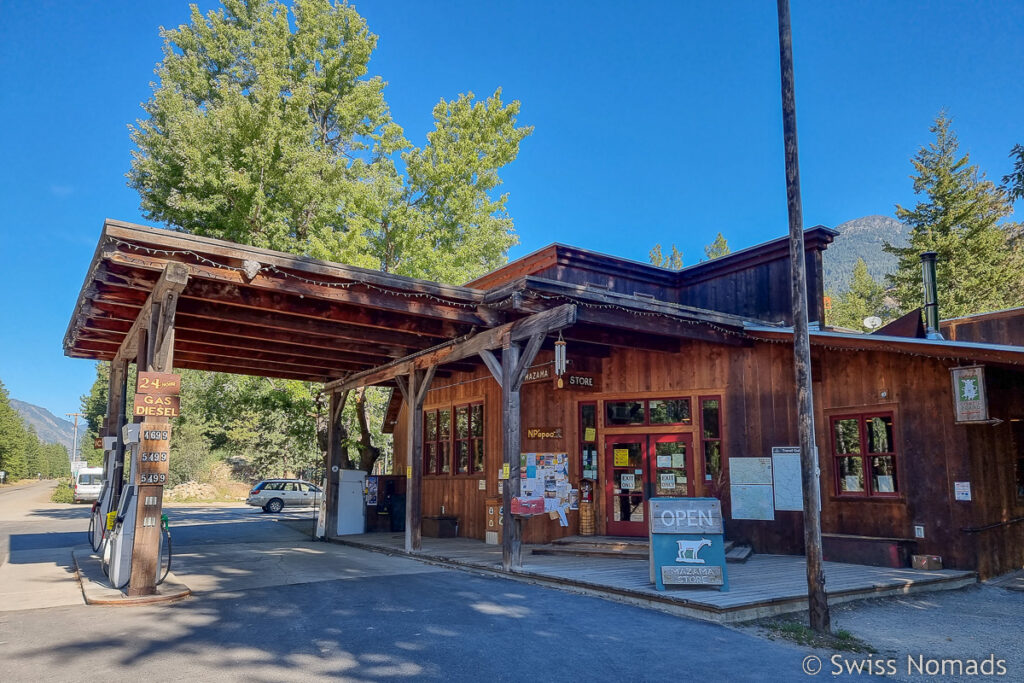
{"points": [[382, 618]]}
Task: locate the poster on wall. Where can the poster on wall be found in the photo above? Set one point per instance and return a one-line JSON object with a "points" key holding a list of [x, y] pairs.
{"points": [[789, 490], [371, 491], [751, 488], [970, 399], [752, 501]]}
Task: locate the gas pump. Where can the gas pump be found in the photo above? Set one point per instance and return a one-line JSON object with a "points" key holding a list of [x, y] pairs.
{"points": [[117, 555], [105, 503]]}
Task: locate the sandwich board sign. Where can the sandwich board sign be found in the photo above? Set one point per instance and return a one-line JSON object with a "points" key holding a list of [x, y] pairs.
{"points": [[687, 544]]}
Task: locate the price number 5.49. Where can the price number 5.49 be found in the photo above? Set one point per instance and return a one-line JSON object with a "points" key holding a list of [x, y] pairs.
{"points": [[155, 478]]}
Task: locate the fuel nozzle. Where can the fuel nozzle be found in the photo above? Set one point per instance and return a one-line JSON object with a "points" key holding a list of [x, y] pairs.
{"points": [[163, 521]]}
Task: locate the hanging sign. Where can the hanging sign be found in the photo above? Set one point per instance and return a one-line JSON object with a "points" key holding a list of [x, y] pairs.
{"points": [[148, 405], [579, 381], [970, 400], [158, 384], [539, 374], [154, 452]]}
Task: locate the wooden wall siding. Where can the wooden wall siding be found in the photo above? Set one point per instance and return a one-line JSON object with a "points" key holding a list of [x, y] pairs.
{"points": [[1003, 327], [993, 481], [760, 291], [756, 387], [620, 282]]}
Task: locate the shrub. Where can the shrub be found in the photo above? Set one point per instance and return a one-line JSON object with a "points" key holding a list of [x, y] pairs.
{"points": [[63, 493]]}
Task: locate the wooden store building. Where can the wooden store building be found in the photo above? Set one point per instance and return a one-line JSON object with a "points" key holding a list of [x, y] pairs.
{"points": [[630, 380]]}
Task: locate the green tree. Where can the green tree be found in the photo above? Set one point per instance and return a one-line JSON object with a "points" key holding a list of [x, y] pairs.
{"points": [[980, 268], [718, 247], [1013, 182], [265, 134], [14, 439], [673, 261], [266, 129], [865, 297]]}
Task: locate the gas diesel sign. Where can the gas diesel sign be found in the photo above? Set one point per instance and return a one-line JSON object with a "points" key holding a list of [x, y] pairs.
{"points": [[147, 405]]}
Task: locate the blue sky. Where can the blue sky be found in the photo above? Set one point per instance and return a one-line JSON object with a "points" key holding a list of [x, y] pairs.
{"points": [[655, 122]]}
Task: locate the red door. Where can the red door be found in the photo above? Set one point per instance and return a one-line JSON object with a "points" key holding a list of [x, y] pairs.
{"points": [[639, 466], [626, 458], [671, 460]]}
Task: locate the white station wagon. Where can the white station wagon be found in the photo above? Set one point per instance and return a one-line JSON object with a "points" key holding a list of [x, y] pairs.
{"points": [[273, 495]]}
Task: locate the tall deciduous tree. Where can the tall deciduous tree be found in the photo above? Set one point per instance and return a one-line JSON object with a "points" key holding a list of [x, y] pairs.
{"points": [[267, 129], [980, 268], [718, 247]]}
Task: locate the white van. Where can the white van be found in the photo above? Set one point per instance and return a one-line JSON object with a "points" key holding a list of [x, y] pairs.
{"points": [[88, 483]]}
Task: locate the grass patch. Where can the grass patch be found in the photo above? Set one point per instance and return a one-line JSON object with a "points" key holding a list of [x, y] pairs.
{"points": [[63, 493], [801, 634]]}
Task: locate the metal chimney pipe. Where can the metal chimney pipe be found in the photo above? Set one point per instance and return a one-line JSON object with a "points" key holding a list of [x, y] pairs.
{"points": [[931, 296]]}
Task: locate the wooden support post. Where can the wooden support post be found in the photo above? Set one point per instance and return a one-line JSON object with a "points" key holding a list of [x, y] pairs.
{"points": [[511, 541], [152, 340], [335, 461], [414, 391], [817, 599]]}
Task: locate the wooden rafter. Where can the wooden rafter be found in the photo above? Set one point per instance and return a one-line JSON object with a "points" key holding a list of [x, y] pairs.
{"points": [[539, 323]]}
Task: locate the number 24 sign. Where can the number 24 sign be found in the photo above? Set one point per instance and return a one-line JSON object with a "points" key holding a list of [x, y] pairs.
{"points": [[158, 384]]}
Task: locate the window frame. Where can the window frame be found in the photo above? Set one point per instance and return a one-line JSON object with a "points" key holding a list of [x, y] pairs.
{"points": [[703, 440], [646, 403], [452, 440], [866, 457]]}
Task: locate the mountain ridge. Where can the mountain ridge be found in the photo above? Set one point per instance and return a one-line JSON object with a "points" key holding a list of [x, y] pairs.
{"points": [[49, 427], [862, 238]]}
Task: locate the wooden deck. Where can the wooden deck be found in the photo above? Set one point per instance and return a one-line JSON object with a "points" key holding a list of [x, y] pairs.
{"points": [[766, 585]]}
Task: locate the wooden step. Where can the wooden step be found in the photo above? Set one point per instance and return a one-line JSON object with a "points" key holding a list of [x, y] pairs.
{"points": [[739, 553]]}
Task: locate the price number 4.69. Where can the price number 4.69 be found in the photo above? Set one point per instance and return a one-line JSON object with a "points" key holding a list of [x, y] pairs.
{"points": [[160, 478]]}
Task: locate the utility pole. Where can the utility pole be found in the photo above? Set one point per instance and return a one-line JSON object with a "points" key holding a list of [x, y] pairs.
{"points": [[817, 600], [74, 446]]}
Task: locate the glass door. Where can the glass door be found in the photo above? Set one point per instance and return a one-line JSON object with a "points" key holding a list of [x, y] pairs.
{"points": [[626, 465], [671, 458]]}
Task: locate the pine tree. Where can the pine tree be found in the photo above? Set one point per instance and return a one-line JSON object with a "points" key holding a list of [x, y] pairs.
{"points": [[13, 439], [718, 247], [865, 298], [674, 261], [1013, 182], [979, 266]]}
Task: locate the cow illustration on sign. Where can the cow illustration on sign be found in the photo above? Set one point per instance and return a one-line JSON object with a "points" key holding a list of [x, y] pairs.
{"points": [[968, 389], [690, 550]]}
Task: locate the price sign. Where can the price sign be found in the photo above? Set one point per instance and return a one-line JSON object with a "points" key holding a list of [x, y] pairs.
{"points": [[154, 453], [158, 384]]}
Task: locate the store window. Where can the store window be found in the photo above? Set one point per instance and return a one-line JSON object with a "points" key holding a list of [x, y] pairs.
{"points": [[711, 435], [656, 411], [864, 455], [453, 440], [588, 440]]}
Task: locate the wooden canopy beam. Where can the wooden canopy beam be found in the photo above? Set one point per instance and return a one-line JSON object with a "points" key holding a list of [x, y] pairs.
{"points": [[352, 292], [465, 347], [172, 281]]}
